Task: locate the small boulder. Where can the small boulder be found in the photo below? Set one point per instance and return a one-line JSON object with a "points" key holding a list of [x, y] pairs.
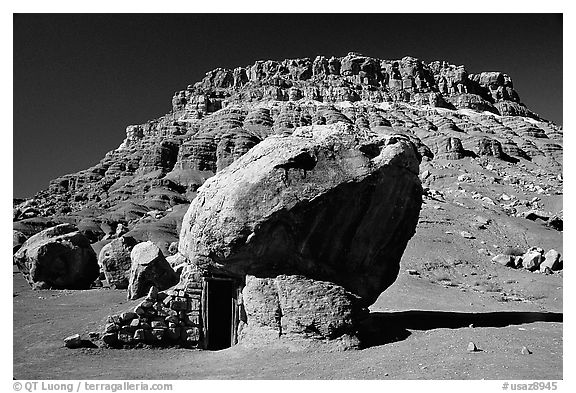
{"points": [[472, 347], [149, 268], [551, 261], [505, 260], [73, 341], [127, 316], [94, 335], [467, 235], [114, 260], [531, 260], [517, 261]]}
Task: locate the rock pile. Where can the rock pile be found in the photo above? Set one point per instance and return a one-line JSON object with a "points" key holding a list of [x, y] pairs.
{"points": [[534, 259], [161, 319]]}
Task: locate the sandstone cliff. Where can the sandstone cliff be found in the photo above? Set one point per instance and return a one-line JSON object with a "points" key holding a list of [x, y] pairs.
{"points": [[447, 111]]}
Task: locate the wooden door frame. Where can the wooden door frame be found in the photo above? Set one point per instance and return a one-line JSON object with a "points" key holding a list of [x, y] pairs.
{"points": [[235, 314]]}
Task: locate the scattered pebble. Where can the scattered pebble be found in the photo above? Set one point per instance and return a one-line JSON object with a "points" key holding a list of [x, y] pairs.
{"points": [[525, 351]]}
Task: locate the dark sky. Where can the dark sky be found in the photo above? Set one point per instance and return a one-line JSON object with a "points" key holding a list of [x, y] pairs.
{"points": [[79, 80]]}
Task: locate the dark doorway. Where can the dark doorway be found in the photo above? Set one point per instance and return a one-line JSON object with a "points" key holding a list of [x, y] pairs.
{"points": [[220, 304]]}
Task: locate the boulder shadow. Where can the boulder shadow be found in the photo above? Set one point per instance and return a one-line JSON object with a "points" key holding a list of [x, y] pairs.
{"points": [[87, 344], [380, 328]]}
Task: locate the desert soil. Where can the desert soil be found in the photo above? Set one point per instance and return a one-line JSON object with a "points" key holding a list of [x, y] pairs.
{"points": [[420, 329]]}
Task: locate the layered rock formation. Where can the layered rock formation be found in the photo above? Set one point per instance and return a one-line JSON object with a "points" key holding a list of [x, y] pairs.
{"points": [[452, 113]]}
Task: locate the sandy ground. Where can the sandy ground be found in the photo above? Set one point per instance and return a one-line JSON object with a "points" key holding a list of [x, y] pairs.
{"points": [[419, 330]]}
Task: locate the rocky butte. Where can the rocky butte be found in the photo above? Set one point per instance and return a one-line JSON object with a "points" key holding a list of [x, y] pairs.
{"points": [[282, 194]]}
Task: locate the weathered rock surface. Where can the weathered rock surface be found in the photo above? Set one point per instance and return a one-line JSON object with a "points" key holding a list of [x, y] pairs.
{"points": [[322, 203], [149, 268], [288, 305], [114, 260], [58, 257]]}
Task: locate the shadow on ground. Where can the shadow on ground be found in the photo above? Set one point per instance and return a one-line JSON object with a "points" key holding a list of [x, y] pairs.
{"points": [[381, 328]]}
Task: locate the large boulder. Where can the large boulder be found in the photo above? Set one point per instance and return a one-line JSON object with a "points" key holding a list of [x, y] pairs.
{"points": [[325, 203], [114, 260], [58, 257], [149, 269]]}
